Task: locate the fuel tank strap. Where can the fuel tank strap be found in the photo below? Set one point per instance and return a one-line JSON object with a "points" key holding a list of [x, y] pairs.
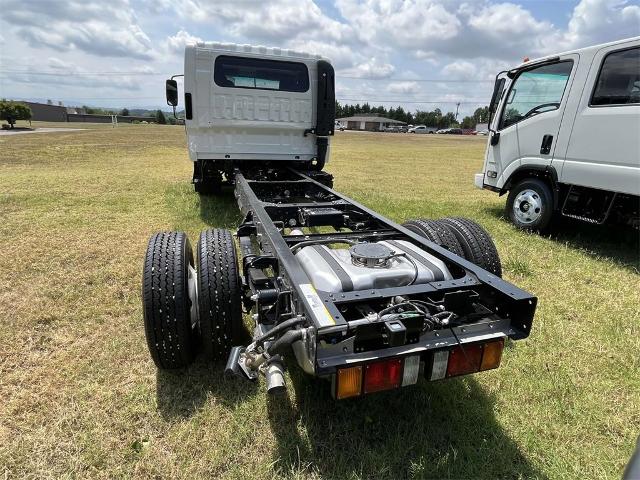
{"points": [[343, 276], [416, 256]]}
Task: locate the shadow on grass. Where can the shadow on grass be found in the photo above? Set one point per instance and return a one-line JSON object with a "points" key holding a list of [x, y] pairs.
{"points": [[615, 242], [432, 430], [181, 393], [220, 210], [190, 210]]}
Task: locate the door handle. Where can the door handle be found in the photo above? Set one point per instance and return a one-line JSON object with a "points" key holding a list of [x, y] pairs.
{"points": [[545, 148]]}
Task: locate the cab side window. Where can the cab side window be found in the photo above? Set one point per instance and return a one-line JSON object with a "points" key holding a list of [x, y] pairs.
{"points": [[619, 79], [534, 91]]}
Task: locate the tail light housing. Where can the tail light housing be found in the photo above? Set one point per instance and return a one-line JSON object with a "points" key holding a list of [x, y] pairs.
{"points": [[401, 371], [384, 375], [349, 382], [377, 376], [466, 358]]}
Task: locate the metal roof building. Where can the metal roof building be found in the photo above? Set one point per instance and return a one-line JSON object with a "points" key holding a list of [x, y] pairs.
{"points": [[372, 123]]}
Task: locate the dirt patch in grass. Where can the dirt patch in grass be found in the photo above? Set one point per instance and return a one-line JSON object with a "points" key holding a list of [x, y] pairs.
{"points": [[81, 397]]}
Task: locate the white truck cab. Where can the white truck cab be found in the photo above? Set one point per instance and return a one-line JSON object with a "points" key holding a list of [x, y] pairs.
{"points": [[565, 137], [246, 104]]}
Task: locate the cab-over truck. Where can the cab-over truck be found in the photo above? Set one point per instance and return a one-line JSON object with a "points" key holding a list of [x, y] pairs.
{"points": [[349, 295]]}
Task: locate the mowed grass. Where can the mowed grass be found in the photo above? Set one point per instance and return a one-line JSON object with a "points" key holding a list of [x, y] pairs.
{"points": [[80, 396]]}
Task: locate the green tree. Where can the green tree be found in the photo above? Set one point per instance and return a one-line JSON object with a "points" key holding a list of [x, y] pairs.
{"points": [[12, 111], [124, 112], [160, 118], [468, 122], [481, 115]]}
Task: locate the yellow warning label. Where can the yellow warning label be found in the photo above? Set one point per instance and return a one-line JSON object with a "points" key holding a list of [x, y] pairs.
{"points": [[317, 307]]}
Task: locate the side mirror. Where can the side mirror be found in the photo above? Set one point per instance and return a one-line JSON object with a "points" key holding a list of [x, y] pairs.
{"points": [[172, 93], [495, 98]]}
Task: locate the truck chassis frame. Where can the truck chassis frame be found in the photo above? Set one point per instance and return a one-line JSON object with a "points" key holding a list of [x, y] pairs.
{"points": [[333, 333]]}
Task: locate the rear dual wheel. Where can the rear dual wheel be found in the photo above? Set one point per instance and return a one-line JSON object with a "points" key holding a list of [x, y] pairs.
{"points": [[178, 320], [462, 237]]}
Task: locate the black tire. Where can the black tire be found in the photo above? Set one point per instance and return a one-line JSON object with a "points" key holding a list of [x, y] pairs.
{"points": [[219, 293], [542, 210], [476, 243], [165, 299], [437, 233]]}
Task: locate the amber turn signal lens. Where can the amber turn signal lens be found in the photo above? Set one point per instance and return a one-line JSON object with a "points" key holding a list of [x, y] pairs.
{"points": [[349, 382], [492, 355]]}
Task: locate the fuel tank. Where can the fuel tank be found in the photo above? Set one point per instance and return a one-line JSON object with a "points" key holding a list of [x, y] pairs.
{"points": [[393, 263]]}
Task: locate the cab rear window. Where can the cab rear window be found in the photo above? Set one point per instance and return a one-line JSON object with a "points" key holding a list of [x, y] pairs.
{"points": [[260, 74], [619, 79]]}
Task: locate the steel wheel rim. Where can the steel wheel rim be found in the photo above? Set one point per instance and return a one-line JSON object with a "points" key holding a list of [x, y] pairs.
{"points": [[527, 206]]}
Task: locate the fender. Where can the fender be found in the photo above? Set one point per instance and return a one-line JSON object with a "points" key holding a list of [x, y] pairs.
{"points": [[542, 171]]}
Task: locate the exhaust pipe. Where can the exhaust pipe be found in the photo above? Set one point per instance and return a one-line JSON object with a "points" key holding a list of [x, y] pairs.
{"points": [[274, 376], [232, 368]]}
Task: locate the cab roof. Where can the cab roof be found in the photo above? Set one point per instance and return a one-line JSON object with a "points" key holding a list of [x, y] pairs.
{"points": [[577, 50], [258, 50]]}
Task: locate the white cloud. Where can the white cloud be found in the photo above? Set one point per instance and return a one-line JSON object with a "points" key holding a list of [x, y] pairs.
{"points": [[404, 87], [372, 68], [460, 70], [275, 21], [394, 43], [341, 56], [64, 73], [409, 24], [507, 21], [599, 21], [100, 28], [176, 43]]}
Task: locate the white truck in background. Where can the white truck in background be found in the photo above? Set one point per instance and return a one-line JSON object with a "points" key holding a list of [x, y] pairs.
{"points": [[565, 137]]}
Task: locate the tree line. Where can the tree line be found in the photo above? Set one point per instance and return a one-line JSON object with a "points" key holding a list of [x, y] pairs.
{"points": [[433, 118]]}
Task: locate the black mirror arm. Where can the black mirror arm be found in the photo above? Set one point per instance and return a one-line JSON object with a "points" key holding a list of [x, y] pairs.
{"points": [[173, 106]]}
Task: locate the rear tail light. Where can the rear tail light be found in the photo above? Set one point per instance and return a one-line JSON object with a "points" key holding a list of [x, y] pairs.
{"points": [[395, 372], [465, 359], [492, 355], [382, 375], [349, 382], [377, 376]]}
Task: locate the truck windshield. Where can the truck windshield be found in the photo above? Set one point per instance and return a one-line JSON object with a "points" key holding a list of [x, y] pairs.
{"points": [[536, 91], [261, 74]]}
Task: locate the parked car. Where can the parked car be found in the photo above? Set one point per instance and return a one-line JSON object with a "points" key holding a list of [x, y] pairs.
{"points": [[422, 129], [564, 137]]}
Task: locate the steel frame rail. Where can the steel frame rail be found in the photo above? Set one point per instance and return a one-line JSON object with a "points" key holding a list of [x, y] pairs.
{"points": [[269, 207]]}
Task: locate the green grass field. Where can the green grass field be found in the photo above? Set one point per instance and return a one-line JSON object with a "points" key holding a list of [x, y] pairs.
{"points": [[80, 396]]}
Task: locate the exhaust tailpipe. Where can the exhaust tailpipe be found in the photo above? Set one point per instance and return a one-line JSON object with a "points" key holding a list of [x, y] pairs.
{"points": [[274, 376]]}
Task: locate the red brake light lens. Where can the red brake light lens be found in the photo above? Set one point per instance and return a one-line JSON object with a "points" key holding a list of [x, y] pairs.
{"points": [[382, 375], [464, 359]]}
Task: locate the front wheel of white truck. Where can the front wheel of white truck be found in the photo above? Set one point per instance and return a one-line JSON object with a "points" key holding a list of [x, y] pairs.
{"points": [[530, 205]]}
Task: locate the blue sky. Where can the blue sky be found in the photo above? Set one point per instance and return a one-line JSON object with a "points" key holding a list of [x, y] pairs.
{"points": [[420, 54]]}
